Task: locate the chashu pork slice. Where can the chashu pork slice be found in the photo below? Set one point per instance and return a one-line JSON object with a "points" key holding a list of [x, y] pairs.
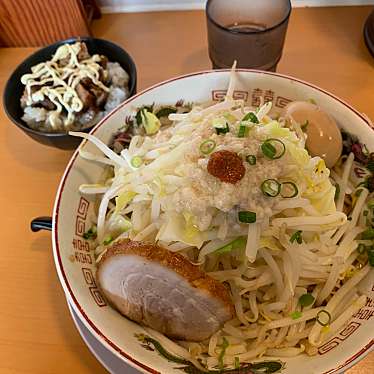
{"points": [[163, 290]]}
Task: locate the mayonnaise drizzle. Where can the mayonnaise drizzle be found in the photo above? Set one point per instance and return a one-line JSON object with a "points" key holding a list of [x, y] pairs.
{"points": [[58, 83]]}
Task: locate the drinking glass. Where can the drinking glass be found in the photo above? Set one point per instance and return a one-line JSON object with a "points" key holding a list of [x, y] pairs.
{"points": [[252, 32]]}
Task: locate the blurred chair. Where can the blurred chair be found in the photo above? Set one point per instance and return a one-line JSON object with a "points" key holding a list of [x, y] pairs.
{"points": [[25, 23]]}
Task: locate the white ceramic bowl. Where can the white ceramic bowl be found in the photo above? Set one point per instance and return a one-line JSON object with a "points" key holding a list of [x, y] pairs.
{"points": [[75, 264]]}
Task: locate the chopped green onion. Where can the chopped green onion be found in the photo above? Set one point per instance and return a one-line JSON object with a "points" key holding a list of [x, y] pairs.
{"points": [[365, 213], [337, 192], [207, 146], [236, 363], [296, 236], [361, 249], [323, 317], [269, 148], [306, 299], [294, 190], [108, 240], [243, 130], [370, 204], [270, 187], [222, 130], [238, 243], [136, 162], [368, 234], [251, 117], [296, 315], [91, 234], [251, 159], [247, 216], [371, 256], [225, 344]]}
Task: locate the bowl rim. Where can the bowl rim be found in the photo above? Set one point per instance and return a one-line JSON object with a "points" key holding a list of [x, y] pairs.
{"points": [[98, 334], [18, 123]]}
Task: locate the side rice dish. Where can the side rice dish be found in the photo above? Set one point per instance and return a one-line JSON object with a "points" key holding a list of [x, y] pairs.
{"points": [[225, 234], [73, 90]]}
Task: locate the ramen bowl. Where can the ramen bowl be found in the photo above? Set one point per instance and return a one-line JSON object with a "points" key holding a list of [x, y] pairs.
{"points": [[73, 214]]}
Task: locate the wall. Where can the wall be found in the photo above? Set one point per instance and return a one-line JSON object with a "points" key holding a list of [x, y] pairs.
{"points": [[154, 5]]}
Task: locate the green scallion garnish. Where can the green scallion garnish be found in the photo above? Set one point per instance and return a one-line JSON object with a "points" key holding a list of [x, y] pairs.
{"points": [[108, 240], [289, 190], [270, 187], [136, 162], [247, 216], [268, 150], [220, 130], [306, 299], [251, 117], [368, 234], [225, 344], [207, 146], [297, 237], [323, 317], [243, 130], [370, 204], [273, 148], [251, 159], [296, 315]]}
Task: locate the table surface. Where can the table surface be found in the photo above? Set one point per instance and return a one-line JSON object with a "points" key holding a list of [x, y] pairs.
{"points": [[323, 46]]}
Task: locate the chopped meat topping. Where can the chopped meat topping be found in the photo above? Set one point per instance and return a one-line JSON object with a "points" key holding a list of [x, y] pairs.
{"points": [[163, 290], [87, 98]]}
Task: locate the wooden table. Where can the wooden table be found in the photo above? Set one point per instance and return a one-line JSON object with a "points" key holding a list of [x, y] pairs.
{"points": [[37, 335]]}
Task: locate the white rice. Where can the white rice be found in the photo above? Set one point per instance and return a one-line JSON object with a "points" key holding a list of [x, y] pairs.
{"points": [[39, 118]]}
